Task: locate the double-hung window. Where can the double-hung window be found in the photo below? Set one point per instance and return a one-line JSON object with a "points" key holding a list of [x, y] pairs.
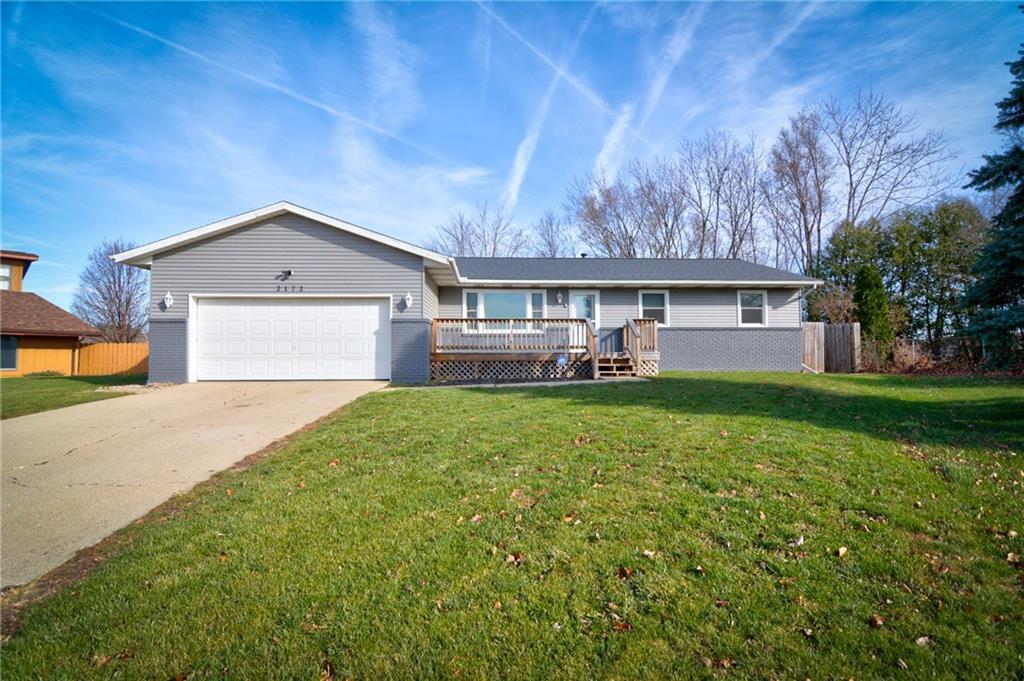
{"points": [[5, 277], [752, 308], [654, 305]]}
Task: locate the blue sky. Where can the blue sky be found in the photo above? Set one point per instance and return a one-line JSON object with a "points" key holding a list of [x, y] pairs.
{"points": [[141, 120]]}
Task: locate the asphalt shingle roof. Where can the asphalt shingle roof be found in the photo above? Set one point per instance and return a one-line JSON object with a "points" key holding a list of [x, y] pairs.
{"points": [[27, 314], [622, 269]]}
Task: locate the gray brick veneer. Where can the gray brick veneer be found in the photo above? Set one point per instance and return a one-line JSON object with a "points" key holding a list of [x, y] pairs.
{"points": [[410, 350]]}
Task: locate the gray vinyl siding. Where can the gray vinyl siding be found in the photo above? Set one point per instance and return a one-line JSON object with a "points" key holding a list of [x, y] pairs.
{"points": [[429, 296], [712, 308], [250, 260]]}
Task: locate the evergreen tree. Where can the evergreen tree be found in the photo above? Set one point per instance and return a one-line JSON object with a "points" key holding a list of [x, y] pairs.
{"points": [[998, 293], [872, 304]]}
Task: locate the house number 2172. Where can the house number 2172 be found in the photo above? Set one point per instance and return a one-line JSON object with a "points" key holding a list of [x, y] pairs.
{"points": [[289, 287]]}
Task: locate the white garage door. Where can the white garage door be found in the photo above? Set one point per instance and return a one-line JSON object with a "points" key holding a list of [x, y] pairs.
{"points": [[255, 339]]}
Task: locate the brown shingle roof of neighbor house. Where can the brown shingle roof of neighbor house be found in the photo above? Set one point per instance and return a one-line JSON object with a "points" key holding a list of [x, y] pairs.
{"points": [[26, 314]]}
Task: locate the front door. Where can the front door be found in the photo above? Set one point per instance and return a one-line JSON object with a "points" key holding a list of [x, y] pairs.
{"points": [[583, 305]]}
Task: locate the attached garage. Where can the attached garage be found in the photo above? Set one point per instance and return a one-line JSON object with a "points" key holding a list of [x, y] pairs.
{"points": [[291, 338]]}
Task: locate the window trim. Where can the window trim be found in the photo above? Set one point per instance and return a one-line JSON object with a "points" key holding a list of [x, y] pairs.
{"points": [[7, 277], [764, 307], [17, 355], [481, 292], [640, 303], [597, 303]]}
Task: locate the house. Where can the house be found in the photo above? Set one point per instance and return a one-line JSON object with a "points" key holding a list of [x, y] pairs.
{"points": [[284, 292], [35, 334]]}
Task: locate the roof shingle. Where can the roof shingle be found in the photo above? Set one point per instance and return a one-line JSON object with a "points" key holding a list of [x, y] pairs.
{"points": [[26, 314], [599, 270]]}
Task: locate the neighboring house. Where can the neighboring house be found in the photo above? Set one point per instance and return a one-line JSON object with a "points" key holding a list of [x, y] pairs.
{"points": [[284, 292], [35, 334]]}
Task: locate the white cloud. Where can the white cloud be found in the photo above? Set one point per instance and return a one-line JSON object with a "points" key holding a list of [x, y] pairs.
{"points": [[609, 158], [394, 94]]}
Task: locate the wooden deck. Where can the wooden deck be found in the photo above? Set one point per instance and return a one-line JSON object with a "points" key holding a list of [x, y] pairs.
{"points": [[472, 350]]}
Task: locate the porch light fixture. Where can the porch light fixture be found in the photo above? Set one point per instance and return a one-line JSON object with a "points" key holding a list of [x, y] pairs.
{"points": [[408, 300], [558, 297], [168, 299]]}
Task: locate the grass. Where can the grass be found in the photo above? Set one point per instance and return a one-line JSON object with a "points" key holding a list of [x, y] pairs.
{"points": [[30, 394], [689, 527]]}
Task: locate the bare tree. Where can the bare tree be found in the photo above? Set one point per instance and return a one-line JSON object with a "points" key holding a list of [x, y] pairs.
{"points": [[484, 234], [797, 189], [704, 167], [553, 238], [659, 186], [884, 164], [113, 297], [743, 199], [608, 216]]}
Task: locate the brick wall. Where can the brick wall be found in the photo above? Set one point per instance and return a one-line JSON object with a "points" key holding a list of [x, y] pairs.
{"points": [[168, 351], [410, 350], [771, 349]]}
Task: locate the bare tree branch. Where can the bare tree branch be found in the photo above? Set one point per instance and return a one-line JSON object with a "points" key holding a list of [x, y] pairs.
{"points": [[113, 297]]}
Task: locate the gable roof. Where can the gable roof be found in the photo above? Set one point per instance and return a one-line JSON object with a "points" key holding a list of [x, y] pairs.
{"points": [[143, 255], [26, 314], [624, 271]]}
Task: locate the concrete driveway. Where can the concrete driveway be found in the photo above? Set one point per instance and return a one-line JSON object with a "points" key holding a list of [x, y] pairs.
{"points": [[72, 476]]}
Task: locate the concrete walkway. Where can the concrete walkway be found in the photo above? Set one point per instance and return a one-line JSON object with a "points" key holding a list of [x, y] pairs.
{"points": [[72, 476]]}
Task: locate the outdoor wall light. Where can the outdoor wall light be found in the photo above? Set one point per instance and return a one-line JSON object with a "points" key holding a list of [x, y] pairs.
{"points": [[168, 299], [558, 297], [408, 300]]}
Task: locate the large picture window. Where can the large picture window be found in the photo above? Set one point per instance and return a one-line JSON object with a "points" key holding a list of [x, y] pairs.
{"points": [[752, 308], [654, 305], [503, 304], [8, 352]]}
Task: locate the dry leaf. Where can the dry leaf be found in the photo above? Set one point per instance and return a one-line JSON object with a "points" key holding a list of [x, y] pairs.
{"points": [[514, 559], [301, 485], [223, 556], [876, 621], [228, 491], [621, 626], [624, 572], [841, 551], [761, 515], [901, 664], [477, 519], [334, 462], [1012, 558], [648, 553], [724, 433], [923, 641], [497, 605], [568, 518], [699, 570]]}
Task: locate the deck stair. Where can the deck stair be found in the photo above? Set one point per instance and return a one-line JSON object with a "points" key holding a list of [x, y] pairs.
{"points": [[615, 364]]}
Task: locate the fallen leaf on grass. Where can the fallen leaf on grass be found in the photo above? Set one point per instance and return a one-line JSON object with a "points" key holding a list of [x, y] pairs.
{"points": [[334, 462], [723, 663], [1012, 558], [514, 559], [228, 491], [876, 621], [721, 603], [724, 433], [301, 485], [841, 551], [624, 572], [477, 519], [648, 553], [569, 517], [923, 641], [621, 626], [223, 556], [901, 664], [327, 672], [761, 515]]}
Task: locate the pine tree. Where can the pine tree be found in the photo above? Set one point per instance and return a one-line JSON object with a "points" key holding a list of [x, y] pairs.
{"points": [[872, 304], [998, 294]]}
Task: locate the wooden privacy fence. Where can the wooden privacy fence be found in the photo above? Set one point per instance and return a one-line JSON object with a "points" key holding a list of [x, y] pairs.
{"points": [[104, 359], [832, 348]]}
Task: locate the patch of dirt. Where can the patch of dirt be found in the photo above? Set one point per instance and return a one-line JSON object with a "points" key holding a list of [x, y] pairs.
{"points": [[14, 599], [133, 388]]}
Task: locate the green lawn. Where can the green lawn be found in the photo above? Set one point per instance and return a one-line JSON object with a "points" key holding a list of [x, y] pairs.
{"points": [[29, 394], [689, 526]]}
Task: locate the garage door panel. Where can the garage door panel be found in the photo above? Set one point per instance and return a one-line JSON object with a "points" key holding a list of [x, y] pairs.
{"points": [[257, 339]]}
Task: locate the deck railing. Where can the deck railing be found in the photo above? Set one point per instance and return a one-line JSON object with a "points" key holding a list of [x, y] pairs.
{"points": [[647, 330], [511, 336]]}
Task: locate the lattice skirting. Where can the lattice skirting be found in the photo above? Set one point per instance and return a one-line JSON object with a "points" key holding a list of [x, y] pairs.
{"points": [[648, 367], [506, 371]]}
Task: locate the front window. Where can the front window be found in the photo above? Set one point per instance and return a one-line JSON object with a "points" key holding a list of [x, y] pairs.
{"points": [[5, 277], [654, 305], [8, 352], [752, 308], [504, 304]]}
